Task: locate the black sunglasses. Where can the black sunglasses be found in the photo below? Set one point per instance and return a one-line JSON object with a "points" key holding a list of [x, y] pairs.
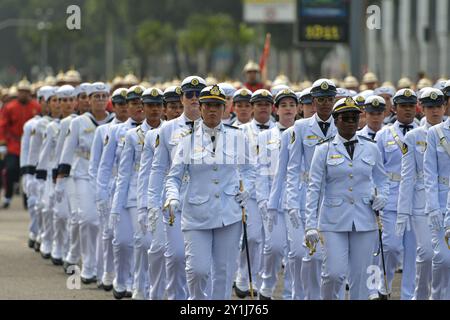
{"points": [[191, 94], [350, 118]]}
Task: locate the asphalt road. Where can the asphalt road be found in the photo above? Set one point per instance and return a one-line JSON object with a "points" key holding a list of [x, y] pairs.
{"points": [[25, 275]]}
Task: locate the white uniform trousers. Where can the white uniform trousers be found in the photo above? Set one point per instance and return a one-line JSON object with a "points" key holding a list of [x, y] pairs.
{"points": [[106, 254], [255, 238], [123, 251], [175, 261], [295, 238], [347, 253], [424, 257], [311, 266], [156, 261], [33, 228], [287, 277], [74, 254], [61, 215], [141, 245], [89, 227], [393, 247], [47, 220], [440, 286], [211, 252], [275, 246]]}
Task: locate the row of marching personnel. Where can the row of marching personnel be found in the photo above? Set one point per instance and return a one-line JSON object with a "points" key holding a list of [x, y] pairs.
{"points": [[173, 196]]}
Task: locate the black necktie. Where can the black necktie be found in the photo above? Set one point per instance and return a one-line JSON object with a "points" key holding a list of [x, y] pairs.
{"points": [[213, 138], [324, 127], [190, 123], [372, 135], [135, 124], [263, 126], [350, 146], [406, 128], [282, 129]]}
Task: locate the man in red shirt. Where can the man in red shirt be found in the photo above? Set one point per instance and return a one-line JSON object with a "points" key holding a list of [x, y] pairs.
{"points": [[13, 117], [251, 71]]}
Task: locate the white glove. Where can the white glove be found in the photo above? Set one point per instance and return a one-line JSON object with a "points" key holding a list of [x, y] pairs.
{"points": [[174, 205], [103, 209], [272, 219], [60, 186], [379, 202], [114, 219], [294, 217], [142, 219], [436, 219], [403, 223], [242, 197], [33, 188], [25, 178], [262, 206], [153, 215], [312, 236]]}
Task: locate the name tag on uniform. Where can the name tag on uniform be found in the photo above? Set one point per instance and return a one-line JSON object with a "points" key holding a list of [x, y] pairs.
{"points": [[336, 156], [312, 137], [421, 143], [390, 143], [89, 130]]}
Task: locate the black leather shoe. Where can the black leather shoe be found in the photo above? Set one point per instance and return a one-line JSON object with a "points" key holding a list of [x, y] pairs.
{"points": [[37, 246], [5, 205], [128, 294], [31, 243], [241, 294], [89, 280], [107, 288], [119, 294], [66, 267], [383, 296], [261, 297], [45, 256], [57, 262]]}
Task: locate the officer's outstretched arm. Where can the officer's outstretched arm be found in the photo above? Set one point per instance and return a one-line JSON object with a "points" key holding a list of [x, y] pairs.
{"points": [[317, 179]]}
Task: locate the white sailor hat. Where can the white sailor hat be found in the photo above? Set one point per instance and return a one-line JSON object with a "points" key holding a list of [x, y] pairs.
{"points": [[345, 105], [65, 91], [50, 92], [227, 88], [342, 92], [306, 97], [98, 87], [193, 83], [384, 90], [440, 84], [119, 96], [375, 104], [261, 95], [135, 92], [323, 88], [153, 95], [285, 93], [432, 97], [405, 96], [242, 95], [83, 88], [172, 94], [278, 88], [42, 91], [212, 94], [447, 88]]}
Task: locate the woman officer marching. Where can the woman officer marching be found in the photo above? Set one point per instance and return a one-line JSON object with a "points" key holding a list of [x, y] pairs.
{"points": [[345, 169]]}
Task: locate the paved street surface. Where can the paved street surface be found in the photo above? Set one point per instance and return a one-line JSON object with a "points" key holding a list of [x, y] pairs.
{"points": [[25, 275]]}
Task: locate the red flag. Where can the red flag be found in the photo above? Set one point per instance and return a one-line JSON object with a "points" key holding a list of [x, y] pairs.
{"points": [[265, 58]]}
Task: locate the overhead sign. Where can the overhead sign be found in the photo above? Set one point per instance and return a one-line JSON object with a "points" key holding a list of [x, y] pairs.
{"points": [[323, 21], [270, 11]]}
